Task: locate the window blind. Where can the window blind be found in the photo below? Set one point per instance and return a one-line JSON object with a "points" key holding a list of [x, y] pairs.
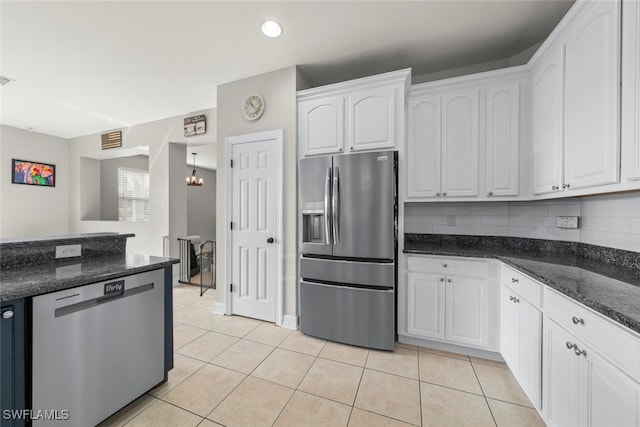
{"points": [[133, 195]]}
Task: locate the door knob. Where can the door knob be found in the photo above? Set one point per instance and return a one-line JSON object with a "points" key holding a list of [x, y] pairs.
{"points": [[270, 240]]}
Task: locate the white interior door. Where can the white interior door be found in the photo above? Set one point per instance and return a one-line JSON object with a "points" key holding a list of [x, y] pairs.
{"points": [[256, 243]]}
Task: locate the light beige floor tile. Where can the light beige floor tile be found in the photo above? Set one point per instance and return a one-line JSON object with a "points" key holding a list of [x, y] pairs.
{"points": [[208, 346], [163, 414], [209, 423], [301, 343], [205, 319], [449, 372], [345, 353], [268, 333], [443, 353], [183, 367], [204, 390], [284, 367], [389, 395], [491, 362], [404, 345], [361, 418], [307, 410], [125, 414], [443, 406], [332, 380], [183, 334], [253, 403], [237, 326], [499, 383], [402, 361], [243, 356], [507, 415]]}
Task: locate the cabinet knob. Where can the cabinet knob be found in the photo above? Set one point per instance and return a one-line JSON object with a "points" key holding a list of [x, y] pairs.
{"points": [[437, 194], [442, 279], [490, 193], [7, 314], [516, 300], [577, 321], [570, 346], [514, 280], [566, 186], [449, 280], [351, 148], [444, 265], [444, 194], [339, 149], [579, 352], [554, 187], [511, 297]]}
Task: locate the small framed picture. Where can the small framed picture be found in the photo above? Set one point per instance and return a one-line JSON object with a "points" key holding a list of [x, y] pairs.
{"points": [[33, 173]]}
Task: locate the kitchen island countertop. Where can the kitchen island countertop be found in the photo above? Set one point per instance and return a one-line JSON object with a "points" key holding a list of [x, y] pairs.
{"points": [[33, 280], [612, 289]]}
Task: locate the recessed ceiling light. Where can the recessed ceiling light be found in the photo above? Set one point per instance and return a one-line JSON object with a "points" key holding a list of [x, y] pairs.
{"points": [[271, 28]]}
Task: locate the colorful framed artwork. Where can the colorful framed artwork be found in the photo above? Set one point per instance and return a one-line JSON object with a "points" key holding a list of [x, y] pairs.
{"points": [[33, 173]]}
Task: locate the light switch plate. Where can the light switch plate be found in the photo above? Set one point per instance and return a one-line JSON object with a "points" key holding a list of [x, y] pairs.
{"points": [[68, 251], [567, 222]]}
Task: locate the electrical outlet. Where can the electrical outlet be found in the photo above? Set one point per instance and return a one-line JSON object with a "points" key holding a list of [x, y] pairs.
{"points": [[451, 220], [68, 251], [567, 222]]}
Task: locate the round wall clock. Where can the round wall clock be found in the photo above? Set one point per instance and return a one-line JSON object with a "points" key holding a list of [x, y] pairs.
{"points": [[253, 107]]}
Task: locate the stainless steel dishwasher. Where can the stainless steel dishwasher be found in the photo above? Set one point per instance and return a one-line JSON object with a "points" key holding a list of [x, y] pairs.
{"points": [[96, 348]]}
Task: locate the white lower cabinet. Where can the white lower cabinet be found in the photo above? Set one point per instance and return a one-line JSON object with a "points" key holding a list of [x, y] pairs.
{"points": [[449, 300], [582, 388], [521, 340]]}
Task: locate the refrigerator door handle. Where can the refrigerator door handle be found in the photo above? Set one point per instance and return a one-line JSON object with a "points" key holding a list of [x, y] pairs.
{"points": [[327, 202], [335, 206]]}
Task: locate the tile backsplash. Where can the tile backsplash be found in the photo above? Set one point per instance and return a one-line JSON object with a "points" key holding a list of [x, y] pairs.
{"points": [[611, 220]]}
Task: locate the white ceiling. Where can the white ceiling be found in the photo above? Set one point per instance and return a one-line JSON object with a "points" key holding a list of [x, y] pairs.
{"points": [[85, 67]]}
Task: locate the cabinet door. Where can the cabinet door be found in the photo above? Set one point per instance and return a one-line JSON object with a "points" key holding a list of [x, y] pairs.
{"points": [[372, 119], [503, 137], [563, 378], [509, 328], [631, 92], [321, 125], [460, 142], [467, 303], [425, 305], [423, 148], [613, 396], [592, 93], [548, 116], [529, 350]]}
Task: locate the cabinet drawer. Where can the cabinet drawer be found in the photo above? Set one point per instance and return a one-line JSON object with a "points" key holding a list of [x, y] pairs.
{"points": [[613, 341], [522, 284], [448, 266]]}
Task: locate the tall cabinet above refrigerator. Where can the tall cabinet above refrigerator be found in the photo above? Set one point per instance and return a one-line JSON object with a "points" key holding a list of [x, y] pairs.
{"points": [[348, 250]]}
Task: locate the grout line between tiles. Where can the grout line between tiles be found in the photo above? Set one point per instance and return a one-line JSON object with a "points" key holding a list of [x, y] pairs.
{"points": [[483, 393]]}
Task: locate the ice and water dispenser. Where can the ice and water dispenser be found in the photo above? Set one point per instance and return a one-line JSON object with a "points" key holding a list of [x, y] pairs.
{"points": [[313, 222]]}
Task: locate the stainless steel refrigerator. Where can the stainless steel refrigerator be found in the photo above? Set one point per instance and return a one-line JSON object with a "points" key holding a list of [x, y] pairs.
{"points": [[348, 251]]}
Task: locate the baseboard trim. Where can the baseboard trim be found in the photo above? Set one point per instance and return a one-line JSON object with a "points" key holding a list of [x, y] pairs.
{"points": [[453, 348], [290, 322], [220, 308]]}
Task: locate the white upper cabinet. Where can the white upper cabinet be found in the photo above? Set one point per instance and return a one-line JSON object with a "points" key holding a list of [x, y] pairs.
{"points": [[423, 161], [503, 135], [321, 125], [460, 142], [592, 94], [548, 113], [359, 115], [372, 119], [631, 92]]}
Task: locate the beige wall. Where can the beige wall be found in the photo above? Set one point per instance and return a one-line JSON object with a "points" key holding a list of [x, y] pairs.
{"points": [[29, 210], [279, 91]]}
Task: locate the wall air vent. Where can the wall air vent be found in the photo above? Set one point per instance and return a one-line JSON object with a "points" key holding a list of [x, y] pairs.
{"points": [[4, 80]]}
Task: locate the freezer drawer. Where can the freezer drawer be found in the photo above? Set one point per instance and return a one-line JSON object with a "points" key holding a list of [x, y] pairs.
{"points": [[362, 317], [97, 347], [370, 274]]}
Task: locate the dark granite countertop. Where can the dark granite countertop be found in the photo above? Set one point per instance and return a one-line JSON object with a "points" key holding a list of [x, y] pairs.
{"points": [[59, 240], [33, 280], [604, 279]]}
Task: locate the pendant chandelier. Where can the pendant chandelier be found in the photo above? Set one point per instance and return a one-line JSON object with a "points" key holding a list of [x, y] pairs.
{"points": [[193, 180]]}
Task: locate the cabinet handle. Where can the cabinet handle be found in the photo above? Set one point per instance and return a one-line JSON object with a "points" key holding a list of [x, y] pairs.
{"points": [[7, 314], [579, 352], [514, 280], [444, 265], [516, 300], [554, 187], [566, 186], [577, 321], [444, 194], [511, 297], [570, 346]]}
